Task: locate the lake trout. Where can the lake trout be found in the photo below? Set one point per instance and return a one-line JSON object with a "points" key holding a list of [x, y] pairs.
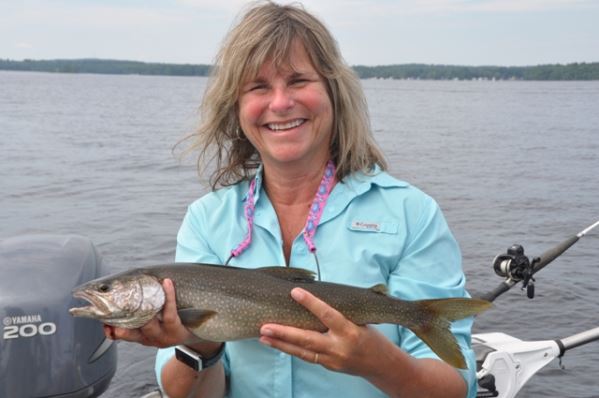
{"points": [[223, 303]]}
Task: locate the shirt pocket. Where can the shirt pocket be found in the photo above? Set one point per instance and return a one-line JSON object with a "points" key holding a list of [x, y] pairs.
{"points": [[368, 226]]}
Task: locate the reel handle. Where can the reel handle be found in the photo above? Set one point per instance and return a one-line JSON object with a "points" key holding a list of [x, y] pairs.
{"points": [[514, 266]]}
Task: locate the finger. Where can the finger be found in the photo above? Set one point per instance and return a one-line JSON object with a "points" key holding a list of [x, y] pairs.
{"points": [[109, 332], [297, 351], [132, 335], [171, 323], [169, 311], [306, 339], [329, 316], [115, 333], [151, 330]]}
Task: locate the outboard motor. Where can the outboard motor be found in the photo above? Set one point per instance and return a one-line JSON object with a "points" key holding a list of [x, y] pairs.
{"points": [[44, 351]]}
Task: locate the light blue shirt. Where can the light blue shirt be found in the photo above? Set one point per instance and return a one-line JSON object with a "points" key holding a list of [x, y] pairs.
{"points": [[374, 229]]}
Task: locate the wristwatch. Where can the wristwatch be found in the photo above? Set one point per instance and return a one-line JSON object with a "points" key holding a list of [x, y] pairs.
{"points": [[194, 360]]}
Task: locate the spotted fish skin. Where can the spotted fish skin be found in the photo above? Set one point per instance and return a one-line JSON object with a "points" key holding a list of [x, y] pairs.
{"points": [[222, 303]]}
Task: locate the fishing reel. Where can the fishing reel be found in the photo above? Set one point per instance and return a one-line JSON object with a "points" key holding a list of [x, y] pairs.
{"points": [[515, 266]]}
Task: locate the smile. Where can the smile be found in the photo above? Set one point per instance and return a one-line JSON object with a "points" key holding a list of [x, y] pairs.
{"points": [[285, 126]]}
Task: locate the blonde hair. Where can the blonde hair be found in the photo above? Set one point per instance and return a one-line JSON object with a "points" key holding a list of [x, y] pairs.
{"points": [[267, 31]]}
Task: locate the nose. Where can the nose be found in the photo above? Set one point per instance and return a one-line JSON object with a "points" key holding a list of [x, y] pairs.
{"points": [[281, 100]]}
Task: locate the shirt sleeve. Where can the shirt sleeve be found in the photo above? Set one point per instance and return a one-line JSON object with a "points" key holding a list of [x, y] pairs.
{"points": [[430, 267], [191, 243]]}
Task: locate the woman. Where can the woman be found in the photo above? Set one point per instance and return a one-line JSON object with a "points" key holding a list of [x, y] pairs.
{"points": [[301, 183]]}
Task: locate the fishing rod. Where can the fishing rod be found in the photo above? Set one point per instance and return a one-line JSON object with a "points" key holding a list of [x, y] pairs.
{"points": [[516, 267], [506, 363]]}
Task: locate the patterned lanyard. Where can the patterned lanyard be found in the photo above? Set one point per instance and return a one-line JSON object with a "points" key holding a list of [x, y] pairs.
{"points": [[316, 209]]}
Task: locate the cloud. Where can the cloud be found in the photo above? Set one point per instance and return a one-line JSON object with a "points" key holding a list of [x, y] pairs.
{"points": [[126, 30], [379, 8], [23, 45], [524, 5], [226, 5], [369, 31], [88, 15]]}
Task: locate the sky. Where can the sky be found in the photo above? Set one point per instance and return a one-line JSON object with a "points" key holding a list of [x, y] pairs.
{"points": [[369, 32]]}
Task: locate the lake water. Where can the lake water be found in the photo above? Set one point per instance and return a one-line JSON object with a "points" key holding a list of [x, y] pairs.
{"points": [[509, 162]]}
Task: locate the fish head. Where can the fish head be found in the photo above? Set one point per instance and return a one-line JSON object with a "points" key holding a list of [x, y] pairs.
{"points": [[127, 301]]}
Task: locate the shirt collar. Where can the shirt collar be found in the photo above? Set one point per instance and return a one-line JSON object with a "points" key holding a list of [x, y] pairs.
{"points": [[352, 186], [361, 182], [355, 185]]}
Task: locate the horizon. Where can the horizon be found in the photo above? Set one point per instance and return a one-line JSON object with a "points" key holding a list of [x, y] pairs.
{"points": [[356, 65], [504, 33]]}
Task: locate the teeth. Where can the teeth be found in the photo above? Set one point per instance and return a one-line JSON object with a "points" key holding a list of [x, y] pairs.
{"points": [[285, 126]]}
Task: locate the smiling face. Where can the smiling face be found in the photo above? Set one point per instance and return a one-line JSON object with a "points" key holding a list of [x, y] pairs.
{"points": [[286, 113]]}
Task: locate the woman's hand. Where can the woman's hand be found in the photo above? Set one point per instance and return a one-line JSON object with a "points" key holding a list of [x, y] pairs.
{"points": [[345, 347], [161, 333]]}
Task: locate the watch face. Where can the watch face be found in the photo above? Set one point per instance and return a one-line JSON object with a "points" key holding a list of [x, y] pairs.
{"points": [[187, 359], [194, 360]]}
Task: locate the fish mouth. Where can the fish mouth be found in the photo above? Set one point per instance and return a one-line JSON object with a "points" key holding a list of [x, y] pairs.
{"points": [[97, 307]]}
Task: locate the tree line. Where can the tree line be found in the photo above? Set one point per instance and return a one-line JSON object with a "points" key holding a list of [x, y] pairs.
{"points": [[573, 71], [105, 66]]}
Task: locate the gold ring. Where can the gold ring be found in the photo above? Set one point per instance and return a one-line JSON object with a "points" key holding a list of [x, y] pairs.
{"points": [[316, 358]]}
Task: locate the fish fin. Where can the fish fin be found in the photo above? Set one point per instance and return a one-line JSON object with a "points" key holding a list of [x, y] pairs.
{"points": [[435, 330], [289, 274], [458, 307], [193, 318], [380, 289]]}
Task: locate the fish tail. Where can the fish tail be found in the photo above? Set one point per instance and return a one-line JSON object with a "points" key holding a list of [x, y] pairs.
{"points": [[434, 326]]}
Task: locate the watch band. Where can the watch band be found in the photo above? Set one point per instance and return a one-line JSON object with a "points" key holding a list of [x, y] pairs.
{"points": [[194, 360]]}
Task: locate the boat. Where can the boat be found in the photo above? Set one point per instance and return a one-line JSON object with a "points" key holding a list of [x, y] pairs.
{"points": [[44, 352]]}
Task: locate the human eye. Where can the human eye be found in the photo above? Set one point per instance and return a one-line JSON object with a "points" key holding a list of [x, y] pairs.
{"points": [[254, 86], [257, 86], [299, 80]]}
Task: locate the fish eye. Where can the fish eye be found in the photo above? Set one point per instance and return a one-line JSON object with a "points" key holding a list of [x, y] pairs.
{"points": [[104, 288]]}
